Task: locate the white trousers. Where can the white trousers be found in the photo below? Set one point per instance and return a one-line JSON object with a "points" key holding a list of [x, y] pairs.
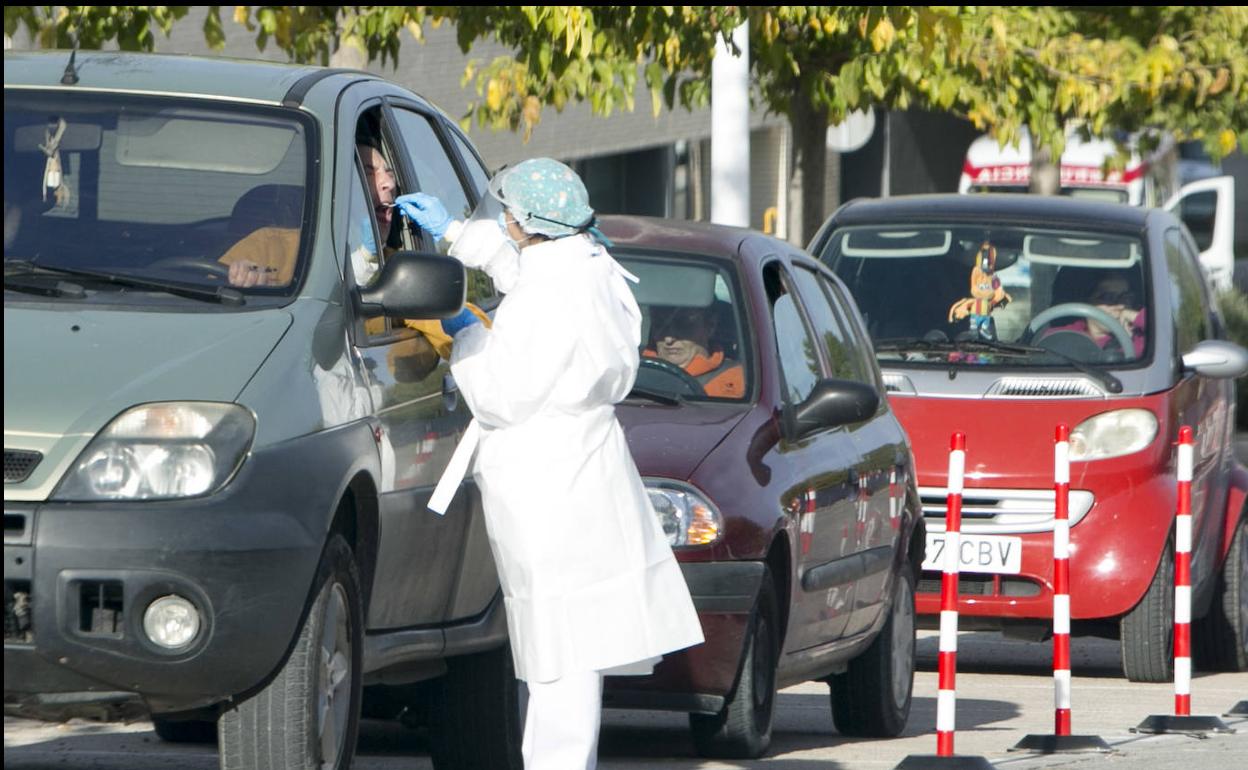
{"points": [[562, 721]]}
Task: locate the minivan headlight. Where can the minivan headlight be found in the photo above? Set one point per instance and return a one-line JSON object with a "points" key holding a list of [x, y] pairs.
{"points": [[686, 516], [1113, 434], [162, 451]]}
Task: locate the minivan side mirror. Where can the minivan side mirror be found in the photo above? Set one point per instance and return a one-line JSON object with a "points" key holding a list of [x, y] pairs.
{"points": [[1219, 359], [415, 285], [835, 402]]}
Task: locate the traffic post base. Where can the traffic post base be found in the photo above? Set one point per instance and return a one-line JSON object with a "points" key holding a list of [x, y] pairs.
{"points": [[936, 762], [1061, 744], [1186, 725]]}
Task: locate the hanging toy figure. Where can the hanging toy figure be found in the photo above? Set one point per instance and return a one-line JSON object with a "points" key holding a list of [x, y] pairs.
{"points": [[52, 174], [986, 295]]}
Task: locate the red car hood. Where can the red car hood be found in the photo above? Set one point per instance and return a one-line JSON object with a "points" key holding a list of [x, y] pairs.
{"points": [[1009, 443], [671, 441]]}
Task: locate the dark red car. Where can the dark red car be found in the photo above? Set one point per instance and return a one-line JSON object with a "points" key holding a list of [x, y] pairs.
{"points": [[784, 481]]}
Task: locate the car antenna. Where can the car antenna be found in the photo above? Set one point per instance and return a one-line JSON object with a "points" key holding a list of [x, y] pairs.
{"points": [[70, 78]]}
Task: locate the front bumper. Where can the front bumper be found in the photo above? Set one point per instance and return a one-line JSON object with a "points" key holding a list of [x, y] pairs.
{"points": [[1114, 553], [245, 557], [699, 678]]}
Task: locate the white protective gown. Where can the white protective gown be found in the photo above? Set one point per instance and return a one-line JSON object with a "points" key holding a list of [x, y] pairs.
{"points": [[589, 580]]}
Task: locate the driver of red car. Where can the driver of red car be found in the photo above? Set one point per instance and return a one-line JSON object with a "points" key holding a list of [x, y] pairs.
{"points": [[1115, 293], [682, 336]]}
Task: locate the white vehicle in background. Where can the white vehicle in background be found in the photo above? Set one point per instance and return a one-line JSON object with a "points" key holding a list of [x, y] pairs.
{"points": [[1206, 206]]}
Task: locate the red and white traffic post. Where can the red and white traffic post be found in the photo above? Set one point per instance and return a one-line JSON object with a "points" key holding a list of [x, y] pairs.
{"points": [[1061, 740], [1183, 721], [947, 660]]}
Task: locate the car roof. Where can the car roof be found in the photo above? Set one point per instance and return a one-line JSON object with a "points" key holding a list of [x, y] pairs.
{"points": [[680, 235], [216, 77], [1077, 213]]}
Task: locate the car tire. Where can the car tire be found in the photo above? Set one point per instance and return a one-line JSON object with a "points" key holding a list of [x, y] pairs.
{"points": [[872, 698], [1147, 631], [476, 714], [185, 730], [1221, 637], [309, 714], [742, 728]]}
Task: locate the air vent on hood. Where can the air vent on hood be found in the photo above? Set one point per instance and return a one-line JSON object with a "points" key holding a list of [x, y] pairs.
{"points": [[1044, 387], [18, 465]]}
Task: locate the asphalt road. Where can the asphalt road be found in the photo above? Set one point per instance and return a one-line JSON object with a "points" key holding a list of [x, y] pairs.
{"points": [[1004, 692]]}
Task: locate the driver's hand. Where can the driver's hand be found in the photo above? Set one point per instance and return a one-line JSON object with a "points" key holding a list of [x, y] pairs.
{"points": [[245, 274]]}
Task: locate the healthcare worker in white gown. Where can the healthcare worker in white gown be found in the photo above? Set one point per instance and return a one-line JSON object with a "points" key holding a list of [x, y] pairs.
{"points": [[590, 582]]}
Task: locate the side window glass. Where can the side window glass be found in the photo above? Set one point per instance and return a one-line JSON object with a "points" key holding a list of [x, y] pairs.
{"points": [[834, 338], [435, 173], [480, 178], [799, 363], [1186, 294], [363, 255]]}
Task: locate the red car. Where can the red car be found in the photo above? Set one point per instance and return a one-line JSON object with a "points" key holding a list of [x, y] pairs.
{"points": [[782, 478], [1003, 316]]}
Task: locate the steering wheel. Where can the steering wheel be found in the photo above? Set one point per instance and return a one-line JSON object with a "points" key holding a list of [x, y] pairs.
{"points": [[668, 369], [212, 268], [1085, 311]]}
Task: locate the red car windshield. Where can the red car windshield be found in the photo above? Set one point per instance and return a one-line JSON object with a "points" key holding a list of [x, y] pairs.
{"points": [[973, 295]]}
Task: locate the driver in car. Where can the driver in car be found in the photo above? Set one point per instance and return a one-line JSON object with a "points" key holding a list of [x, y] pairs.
{"points": [[1114, 293], [682, 336]]}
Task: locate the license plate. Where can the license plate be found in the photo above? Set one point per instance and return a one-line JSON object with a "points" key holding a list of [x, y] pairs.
{"points": [[977, 553]]}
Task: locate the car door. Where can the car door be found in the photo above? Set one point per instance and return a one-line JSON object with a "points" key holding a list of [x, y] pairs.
{"points": [[820, 493], [1200, 402], [417, 419], [1207, 207], [440, 161], [879, 441]]}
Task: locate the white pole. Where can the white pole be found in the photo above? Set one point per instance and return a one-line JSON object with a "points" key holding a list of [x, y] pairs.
{"points": [[730, 132]]}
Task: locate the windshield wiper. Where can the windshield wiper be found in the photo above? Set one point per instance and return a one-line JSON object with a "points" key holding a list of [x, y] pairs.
{"points": [[1109, 381], [55, 288], [667, 399], [221, 294]]}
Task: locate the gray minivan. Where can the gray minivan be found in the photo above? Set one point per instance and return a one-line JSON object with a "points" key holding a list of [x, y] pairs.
{"points": [[214, 490]]}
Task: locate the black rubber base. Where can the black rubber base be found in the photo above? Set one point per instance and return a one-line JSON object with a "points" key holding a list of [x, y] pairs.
{"points": [[1061, 744], [1238, 710], [925, 761], [1189, 725]]}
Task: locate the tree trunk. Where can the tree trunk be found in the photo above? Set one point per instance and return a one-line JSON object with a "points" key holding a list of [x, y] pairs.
{"points": [[809, 125], [1046, 175]]}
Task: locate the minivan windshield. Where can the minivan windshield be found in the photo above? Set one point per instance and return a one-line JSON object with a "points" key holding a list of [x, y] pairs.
{"points": [[695, 343], [965, 294], [127, 199]]}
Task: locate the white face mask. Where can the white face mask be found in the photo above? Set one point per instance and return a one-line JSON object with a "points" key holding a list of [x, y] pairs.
{"points": [[482, 245]]}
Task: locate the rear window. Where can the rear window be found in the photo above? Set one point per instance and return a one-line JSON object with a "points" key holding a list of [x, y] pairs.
{"points": [[973, 295], [162, 190]]}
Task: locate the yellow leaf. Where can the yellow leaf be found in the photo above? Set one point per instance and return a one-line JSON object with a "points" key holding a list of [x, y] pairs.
{"points": [[241, 13], [494, 95], [1226, 141], [416, 30], [883, 35], [1219, 83]]}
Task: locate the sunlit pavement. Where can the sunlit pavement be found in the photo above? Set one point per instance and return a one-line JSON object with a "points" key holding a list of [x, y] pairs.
{"points": [[1004, 692]]}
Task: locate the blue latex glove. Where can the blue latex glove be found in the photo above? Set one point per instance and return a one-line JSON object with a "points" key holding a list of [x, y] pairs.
{"points": [[426, 211], [466, 318]]}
